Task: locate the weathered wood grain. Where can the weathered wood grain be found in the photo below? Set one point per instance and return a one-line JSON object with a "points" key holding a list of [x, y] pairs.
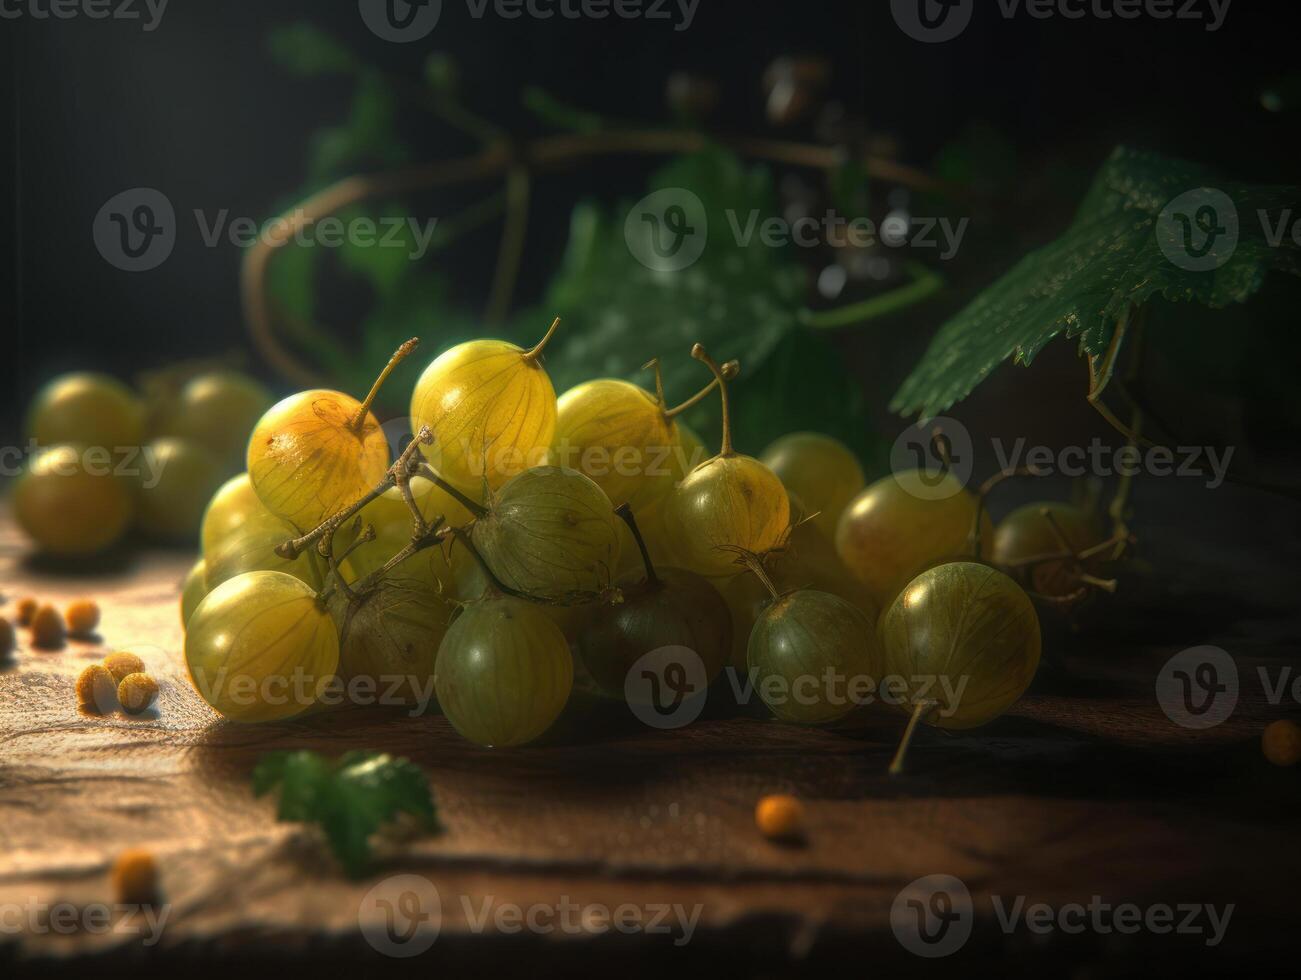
{"points": [[1084, 789]]}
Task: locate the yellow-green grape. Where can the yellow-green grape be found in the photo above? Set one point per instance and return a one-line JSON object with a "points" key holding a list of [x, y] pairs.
{"points": [[253, 549], [809, 561], [69, 501], [619, 435], [728, 502], [315, 453], [230, 508], [813, 657], [175, 482], [89, 409], [550, 532], [904, 522], [964, 638], [261, 647], [822, 471], [391, 636], [491, 407], [193, 590], [1027, 533], [503, 673], [218, 410]]}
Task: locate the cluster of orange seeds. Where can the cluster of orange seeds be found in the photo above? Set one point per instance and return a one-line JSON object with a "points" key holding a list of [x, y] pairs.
{"points": [[120, 680], [48, 626]]}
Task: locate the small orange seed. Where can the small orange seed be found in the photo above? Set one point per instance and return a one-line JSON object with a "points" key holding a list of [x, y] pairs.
{"points": [[82, 616], [135, 877], [137, 692], [780, 817], [122, 663], [1281, 742], [96, 691], [26, 610], [48, 629]]}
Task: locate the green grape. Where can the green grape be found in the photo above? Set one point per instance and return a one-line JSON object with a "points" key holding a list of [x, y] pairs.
{"points": [[230, 508], [218, 410], [904, 522], [809, 561], [668, 607], [549, 532], [69, 501], [193, 590], [964, 639], [315, 453], [491, 407], [503, 673], [1027, 533], [726, 503], [87, 408], [260, 647], [253, 549], [812, 657], [391, 635], [823, 471], [172, 493]]}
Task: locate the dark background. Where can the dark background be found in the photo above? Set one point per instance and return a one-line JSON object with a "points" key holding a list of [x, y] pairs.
{"points": [[197, 109]]}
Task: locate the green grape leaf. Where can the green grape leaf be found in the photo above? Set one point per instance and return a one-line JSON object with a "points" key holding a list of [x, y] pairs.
{"points": [[738, 298], [1149, 226], [305, 50], [351, 797]]}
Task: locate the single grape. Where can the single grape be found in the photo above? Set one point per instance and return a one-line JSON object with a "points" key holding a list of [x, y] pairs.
{"points": [[503, 673], [963, 639], [193, 590], [491, 407], [391, 635], [821, 470], [313, 454], [626, 439], [230, 508], [728, 502], [87, 408], [549, 532], [173, 490], [668, 607], [253, 548], [69, 504], [260, 647], [218, 410], [904, 522], [809, 561], [1027, 533], [813, 657]]}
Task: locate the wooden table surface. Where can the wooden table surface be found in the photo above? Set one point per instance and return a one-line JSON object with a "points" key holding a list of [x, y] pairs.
{"points": [[1084, 789]]}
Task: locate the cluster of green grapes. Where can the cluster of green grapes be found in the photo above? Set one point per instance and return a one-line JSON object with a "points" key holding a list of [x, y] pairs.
{"points": [[521, 540], [107, 457]]}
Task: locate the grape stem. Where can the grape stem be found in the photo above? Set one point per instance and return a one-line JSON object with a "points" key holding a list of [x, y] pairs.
{"points": [[473, 506], [699, 353], [294, 547], [920, 710], [463, 536], [536, 352], [359, 421], [974, 538], [625, 514], [729, 371]]}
